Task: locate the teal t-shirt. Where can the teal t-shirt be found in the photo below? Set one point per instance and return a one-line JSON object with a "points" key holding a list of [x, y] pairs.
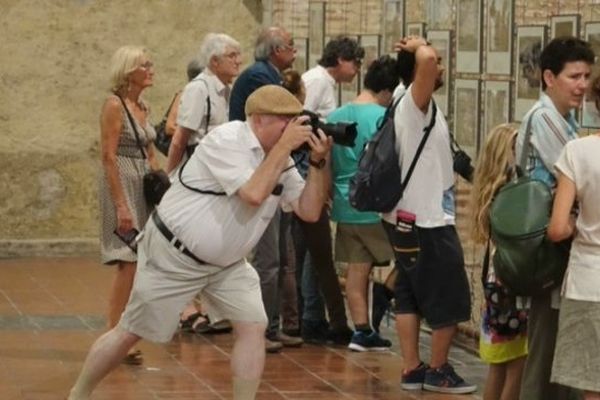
{"points": [[345, 160]]}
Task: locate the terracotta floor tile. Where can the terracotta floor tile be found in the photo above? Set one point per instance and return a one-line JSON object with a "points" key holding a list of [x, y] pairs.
{"points": [[52, 310]]}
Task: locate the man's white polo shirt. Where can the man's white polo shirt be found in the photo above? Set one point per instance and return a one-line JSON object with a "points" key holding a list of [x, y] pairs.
{"points": [[223, 229], [192, 111], [320, 91]]}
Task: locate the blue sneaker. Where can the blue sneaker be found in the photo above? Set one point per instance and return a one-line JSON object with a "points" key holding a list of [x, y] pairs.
{"points": [[371, 342], [413, 379], [445, 380]]}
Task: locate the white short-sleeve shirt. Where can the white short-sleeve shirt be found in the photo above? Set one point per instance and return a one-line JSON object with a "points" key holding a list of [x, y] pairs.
{"points": [[192, 112], [222, 230], [429, 193], [320, 91], [579, 161]]}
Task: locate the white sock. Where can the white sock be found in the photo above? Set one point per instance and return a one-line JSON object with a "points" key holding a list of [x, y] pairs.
{"points": [[245, 389]]}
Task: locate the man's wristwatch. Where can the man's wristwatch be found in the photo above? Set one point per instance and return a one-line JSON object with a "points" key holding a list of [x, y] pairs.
{"points": [[317, 164]]}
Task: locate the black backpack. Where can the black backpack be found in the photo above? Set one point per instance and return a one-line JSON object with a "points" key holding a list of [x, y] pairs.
{"points": [[377, 185]]}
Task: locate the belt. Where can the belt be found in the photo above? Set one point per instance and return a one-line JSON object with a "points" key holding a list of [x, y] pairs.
{"points": [[172, 239]]}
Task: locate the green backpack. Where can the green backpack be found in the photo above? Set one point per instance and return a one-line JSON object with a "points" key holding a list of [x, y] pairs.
{"points": [[526, 261]]}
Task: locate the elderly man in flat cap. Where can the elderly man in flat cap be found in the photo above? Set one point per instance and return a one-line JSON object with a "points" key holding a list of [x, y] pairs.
{"points": [[210, 218]]}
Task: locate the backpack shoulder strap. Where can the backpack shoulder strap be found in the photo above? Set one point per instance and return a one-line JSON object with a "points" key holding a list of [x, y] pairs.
{"points": [[390, 111], [426, 131], [486, 263], [207, 105], [527, 142], [207, 100]]}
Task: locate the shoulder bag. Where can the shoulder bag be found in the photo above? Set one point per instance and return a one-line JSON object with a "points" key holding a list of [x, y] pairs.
{"points": [[163, 141], [155, 183]]}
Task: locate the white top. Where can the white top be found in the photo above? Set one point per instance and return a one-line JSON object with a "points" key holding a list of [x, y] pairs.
{"points": [[192, 110], [579, 161], [320, 91], [429, 193], [223, 229], [399, 91]]}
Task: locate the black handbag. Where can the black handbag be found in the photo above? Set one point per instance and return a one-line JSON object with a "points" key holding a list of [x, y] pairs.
{"points": [[162, 140], [155, 183]]}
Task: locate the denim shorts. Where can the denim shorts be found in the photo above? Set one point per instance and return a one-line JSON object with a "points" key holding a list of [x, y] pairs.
{"points": [[432, 281]]}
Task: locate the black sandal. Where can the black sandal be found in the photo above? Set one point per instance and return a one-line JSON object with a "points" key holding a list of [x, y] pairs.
{"points": [[188, 324], [133, 358]]}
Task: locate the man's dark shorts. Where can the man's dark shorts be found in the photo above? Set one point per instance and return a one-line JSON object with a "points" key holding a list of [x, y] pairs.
{"points": [[431, 281]]}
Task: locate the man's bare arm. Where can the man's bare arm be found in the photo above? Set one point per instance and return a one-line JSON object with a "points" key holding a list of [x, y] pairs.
{"points": [[177, 147]]}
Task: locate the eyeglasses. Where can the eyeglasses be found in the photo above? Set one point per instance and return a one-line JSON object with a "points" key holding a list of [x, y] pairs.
{"points": [[288, 46], [147, 65], [232, 55]]}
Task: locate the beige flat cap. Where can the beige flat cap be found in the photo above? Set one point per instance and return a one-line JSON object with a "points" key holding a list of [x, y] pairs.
{"points": [[274, 100]]}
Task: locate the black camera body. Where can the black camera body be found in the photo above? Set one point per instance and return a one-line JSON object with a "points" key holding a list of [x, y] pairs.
{"points": [[462, 165], [343, 133]]}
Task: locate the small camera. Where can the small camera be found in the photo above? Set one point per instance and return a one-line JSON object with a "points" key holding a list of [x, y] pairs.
{"points": [[462, 165], [343, 133]]}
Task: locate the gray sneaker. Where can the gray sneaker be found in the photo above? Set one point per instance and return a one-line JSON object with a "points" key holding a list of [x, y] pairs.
{"points": [[288, 341], [272, 346], [445, 380]]}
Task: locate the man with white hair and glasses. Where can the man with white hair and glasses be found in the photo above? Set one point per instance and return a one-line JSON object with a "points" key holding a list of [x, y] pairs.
{"points": [[204, 102]]}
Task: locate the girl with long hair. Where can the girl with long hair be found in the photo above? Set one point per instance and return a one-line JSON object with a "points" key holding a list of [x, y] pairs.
{"points": [[503, 339]]}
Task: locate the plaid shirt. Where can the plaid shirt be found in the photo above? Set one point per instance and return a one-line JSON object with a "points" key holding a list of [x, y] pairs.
{"points": [[550, 131]]}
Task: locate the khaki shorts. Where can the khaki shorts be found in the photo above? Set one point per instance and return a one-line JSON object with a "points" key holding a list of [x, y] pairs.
{"points": [[362, 243], [166, 280]]}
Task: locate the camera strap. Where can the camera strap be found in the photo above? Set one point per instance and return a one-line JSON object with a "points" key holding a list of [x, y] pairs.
{"points": [[185, 185], [454, 146], [193, 189]]}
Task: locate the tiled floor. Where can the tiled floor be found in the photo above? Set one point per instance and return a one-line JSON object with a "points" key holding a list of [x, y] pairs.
{"points": [[51, 311]]}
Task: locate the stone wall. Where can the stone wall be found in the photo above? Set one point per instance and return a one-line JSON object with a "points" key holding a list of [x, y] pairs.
{"points": [[54, 78]]}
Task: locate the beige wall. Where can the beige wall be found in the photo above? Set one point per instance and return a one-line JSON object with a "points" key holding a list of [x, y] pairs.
{"points": [[53, 79]]}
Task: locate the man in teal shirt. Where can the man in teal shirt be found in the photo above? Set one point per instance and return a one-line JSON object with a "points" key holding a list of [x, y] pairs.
{"points": [[360, 238]]}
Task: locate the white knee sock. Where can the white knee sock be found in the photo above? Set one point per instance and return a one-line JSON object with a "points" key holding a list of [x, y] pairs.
{"points": [[245, 389]]}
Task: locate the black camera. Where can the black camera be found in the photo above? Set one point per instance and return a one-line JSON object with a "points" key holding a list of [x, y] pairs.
{"points": [[343, 133], [462, 165]]}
